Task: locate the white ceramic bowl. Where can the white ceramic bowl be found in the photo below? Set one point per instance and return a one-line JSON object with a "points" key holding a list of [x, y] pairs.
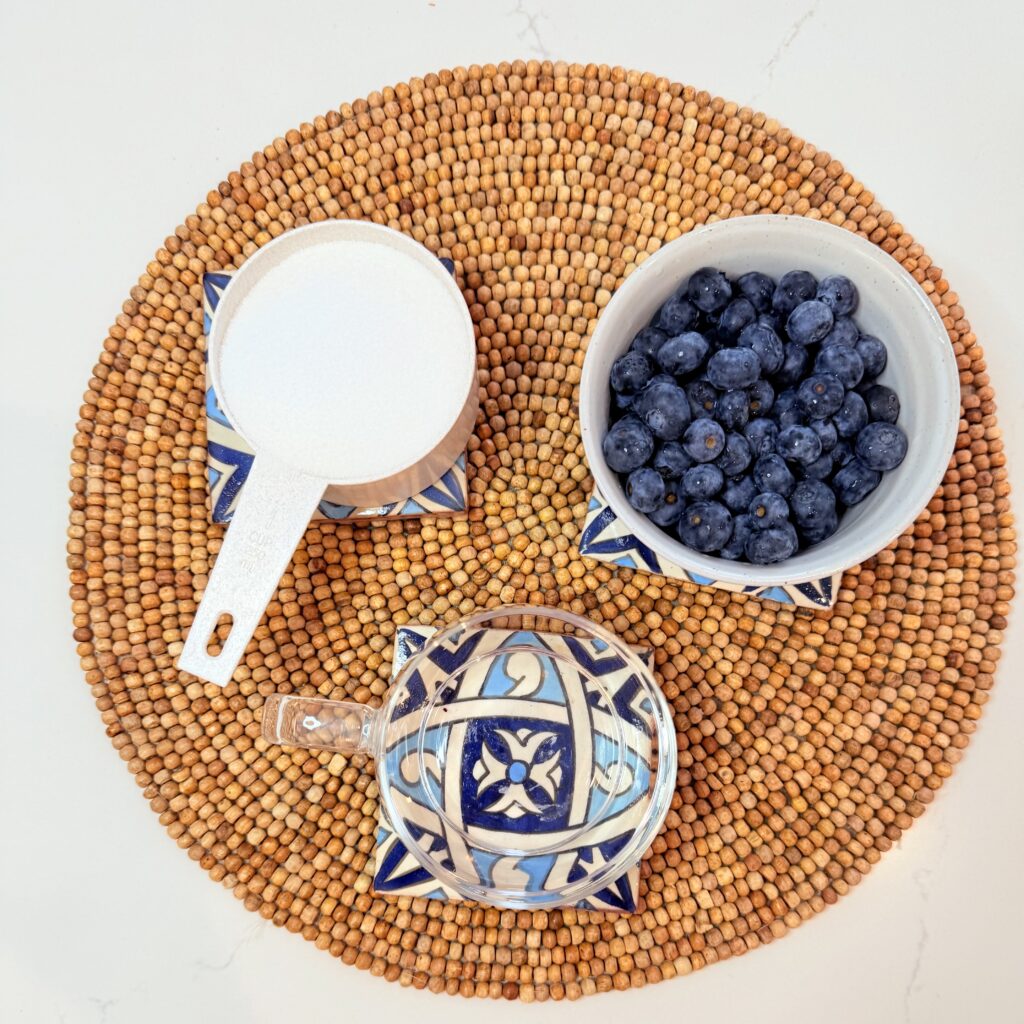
{"points": [[921, 368]]}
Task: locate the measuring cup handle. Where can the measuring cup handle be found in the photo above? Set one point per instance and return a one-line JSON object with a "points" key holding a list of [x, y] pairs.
{"points": [[312, 722], [273, 511]]}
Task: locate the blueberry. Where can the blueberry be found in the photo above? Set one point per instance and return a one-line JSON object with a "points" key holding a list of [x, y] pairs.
{"points": [[839, 293], [717, 338], [772, 320], [811, 502], [677, 315], [881, 446], [795, 360], [762, 397], [842, 453], [854, 482], [819, 531], [787, 410], [793, 288], [704, 440], [797, 443], [827, 433], [739, 493], [645, 489], [630, 373], [844, 332], [772, 474], [662, 378], [705, 526], [671, 461], [820, 469], [842, 361], [809, 322], [667, 514], [709, 289], [733, 368], [702, 397], [736, 316], [757, 288], [628, 445], [820, 395], [663, 407], [766, 345], [769, 508], [764, 547], [682, 353], [737, 455], [732, 409], [623, 403], [647, 341], [742, 528], [703, 481], [873, 353], [883, 404], [761, 434], [852, 416]]}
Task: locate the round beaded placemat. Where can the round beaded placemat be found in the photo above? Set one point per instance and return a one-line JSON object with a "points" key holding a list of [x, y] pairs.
{"points": [[807, 741]]}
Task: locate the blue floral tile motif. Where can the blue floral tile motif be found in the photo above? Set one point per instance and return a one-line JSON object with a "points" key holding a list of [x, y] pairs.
{"points": [[525, 773], [516, 777], [229, 457], [606, 538]]}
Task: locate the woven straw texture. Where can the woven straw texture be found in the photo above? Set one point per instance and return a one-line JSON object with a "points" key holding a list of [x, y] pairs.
{"points": [[808, 742]]}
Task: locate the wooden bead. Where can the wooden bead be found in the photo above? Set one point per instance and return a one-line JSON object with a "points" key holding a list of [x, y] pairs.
{"points": [[808, 742]]}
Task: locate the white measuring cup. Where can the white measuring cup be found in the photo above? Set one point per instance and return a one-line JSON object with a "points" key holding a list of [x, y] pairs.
{"points": [[344, 353]]}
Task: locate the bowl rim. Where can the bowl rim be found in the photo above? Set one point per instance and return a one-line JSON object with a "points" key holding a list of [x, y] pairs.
{"points": [[743, 573]]}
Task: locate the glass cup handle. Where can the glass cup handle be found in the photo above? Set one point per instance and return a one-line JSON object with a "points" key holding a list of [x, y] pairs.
{"points": [[273, 512], [339, 725]]}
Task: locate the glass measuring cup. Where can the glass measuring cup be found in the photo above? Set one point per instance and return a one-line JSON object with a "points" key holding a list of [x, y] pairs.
{"points": [[524, 756]]}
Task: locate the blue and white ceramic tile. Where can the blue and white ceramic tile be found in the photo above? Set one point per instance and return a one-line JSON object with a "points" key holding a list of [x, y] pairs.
{"points": [[229, 457], [606, 538], [516, 771]]}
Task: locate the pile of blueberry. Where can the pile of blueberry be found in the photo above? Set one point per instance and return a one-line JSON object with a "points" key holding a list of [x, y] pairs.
{"points": [[748, 416]]}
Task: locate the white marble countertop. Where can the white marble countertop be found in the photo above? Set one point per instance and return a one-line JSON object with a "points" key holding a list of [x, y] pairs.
{"points": [[118, 117]]}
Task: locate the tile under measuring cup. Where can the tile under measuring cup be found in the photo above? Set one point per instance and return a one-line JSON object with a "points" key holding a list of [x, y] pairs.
{"points": [[229, 456]]}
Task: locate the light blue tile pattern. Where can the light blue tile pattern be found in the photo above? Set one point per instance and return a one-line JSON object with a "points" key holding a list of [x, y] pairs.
{"points": [[607, 539], [398, 872]]}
